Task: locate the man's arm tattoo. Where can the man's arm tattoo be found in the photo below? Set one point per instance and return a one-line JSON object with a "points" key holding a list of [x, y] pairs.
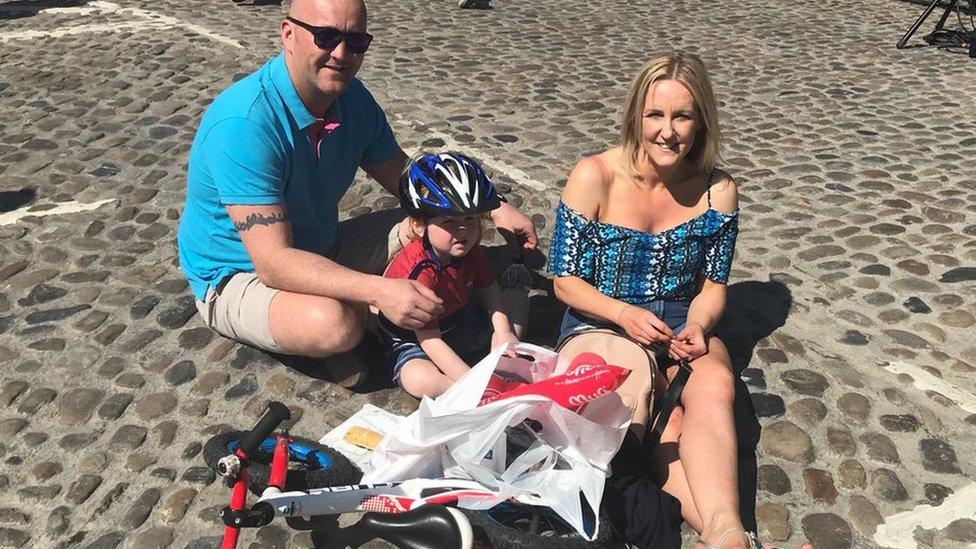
{"points": [[260, 219]]}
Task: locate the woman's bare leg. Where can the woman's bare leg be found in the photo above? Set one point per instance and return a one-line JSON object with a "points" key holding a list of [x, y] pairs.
{"points": [[708, 450], [669, 473]]}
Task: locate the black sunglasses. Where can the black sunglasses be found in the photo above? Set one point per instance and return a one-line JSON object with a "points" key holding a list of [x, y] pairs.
{"points": [[329, 38]]}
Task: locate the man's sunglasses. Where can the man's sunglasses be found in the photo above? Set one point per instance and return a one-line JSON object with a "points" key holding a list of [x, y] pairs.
{"points": [[329, 38]]}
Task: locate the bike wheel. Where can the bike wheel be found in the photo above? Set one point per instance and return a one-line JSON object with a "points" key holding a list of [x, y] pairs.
{"points": [[311, 465], [511, 525]]}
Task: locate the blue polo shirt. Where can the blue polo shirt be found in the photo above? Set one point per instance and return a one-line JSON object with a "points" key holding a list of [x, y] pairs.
{"points": [[253, 148]]}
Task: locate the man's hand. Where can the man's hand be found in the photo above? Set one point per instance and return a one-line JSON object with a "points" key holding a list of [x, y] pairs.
{"points": [[517, 229], [408, 303]]}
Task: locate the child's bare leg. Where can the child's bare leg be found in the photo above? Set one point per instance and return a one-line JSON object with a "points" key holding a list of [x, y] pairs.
{"points": [[421, 377], [497, 340]]}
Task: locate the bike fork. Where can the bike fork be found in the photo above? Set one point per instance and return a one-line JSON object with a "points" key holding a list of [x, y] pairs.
{"points": [[237, 515], [279, 463], [238, 503]]}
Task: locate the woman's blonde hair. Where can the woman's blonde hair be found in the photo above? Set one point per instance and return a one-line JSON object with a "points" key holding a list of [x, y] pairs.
{"points": [[688, 69]]}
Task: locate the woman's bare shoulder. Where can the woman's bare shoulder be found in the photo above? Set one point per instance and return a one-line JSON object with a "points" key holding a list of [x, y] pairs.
{"points": [[588, 184], [725, 191]]}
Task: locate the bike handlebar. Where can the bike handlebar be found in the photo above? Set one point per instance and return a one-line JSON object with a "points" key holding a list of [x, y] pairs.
{"points": [[276, 414]]}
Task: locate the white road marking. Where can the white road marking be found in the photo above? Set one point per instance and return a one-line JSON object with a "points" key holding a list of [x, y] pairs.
{"points": [[80, 29], [62, 208], [202, 31], [144, 19], [217, 37], [75, 10], [111, 6], [897, 531], [519, 177], [928, 382]]}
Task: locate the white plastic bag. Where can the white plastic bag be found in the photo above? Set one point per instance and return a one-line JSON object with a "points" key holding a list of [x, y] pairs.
{"points": [[368, 417], [452, 437]]}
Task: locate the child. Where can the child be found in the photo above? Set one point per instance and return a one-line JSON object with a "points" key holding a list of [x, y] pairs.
{"points": [[445, 196]]}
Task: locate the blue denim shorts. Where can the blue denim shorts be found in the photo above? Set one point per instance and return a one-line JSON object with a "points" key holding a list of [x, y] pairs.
{"points": [[470, 338], [673, 313]]}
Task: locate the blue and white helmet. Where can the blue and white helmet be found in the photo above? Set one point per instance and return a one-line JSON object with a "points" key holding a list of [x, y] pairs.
{"points": [[446, 184]]}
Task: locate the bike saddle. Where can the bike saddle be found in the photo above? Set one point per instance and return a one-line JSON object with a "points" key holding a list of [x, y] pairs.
{"points": [[426, 527]]}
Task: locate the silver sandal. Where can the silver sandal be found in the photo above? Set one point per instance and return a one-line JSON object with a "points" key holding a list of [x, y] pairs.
{"points": [[751, 537]]}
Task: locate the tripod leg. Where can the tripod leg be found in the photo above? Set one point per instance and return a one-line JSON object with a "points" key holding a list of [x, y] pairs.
{"points": [[945, 15], [918, 23]]}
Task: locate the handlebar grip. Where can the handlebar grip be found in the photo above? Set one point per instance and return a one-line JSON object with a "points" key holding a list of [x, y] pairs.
{"points": [[277, 413]]}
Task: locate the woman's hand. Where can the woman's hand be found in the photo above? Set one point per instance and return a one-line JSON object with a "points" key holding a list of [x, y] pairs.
{"points": [[643, 326], [689, 344]]}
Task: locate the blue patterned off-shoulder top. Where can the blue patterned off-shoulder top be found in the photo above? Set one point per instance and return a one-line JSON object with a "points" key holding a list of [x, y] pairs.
{"points": [[639, 267]]}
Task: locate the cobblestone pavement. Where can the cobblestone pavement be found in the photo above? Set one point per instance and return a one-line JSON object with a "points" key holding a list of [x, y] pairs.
{"points": [[852, 303]]}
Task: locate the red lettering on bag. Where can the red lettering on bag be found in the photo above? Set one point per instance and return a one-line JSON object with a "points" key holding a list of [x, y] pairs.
{"points": [[588, 378]]}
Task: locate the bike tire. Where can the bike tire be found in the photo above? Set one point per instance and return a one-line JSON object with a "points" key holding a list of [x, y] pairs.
{"points": [[318, 466], [509, 526]]}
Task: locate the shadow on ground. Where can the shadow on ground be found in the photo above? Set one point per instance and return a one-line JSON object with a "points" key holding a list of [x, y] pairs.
{"points": [[13, 200], [327, 534], [368, 351], [29, 8], [753, 311]]}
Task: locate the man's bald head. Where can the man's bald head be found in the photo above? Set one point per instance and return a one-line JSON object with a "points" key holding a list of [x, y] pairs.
{"points": [[321, 74], [317, 12]]}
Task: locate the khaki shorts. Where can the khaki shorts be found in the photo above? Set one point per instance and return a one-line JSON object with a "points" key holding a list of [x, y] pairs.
{"points": [[239, 307]]}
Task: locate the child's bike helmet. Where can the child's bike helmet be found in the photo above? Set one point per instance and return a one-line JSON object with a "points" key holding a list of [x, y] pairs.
{"points": [[446, 184]]}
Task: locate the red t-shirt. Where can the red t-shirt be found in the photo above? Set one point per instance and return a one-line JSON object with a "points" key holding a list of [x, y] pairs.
{"points": [[452, 282]]}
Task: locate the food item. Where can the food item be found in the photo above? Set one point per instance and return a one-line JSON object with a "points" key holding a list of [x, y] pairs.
{"points": [[364, 438]]}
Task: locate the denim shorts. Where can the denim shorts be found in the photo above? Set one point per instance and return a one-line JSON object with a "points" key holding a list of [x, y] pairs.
{"points": [[470, 338], [673, 313]]}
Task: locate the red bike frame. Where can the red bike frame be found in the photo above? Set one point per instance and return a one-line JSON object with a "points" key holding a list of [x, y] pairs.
{"points": [[238, 495]]}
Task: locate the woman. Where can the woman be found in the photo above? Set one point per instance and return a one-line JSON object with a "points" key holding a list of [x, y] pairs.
{"points": [[644, 239]]}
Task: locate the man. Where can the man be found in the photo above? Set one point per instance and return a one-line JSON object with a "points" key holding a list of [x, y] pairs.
{"points": [[259, 238]]}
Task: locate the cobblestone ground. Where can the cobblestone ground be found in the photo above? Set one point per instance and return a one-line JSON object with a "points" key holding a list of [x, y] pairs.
{"points": [[852, 303]]}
